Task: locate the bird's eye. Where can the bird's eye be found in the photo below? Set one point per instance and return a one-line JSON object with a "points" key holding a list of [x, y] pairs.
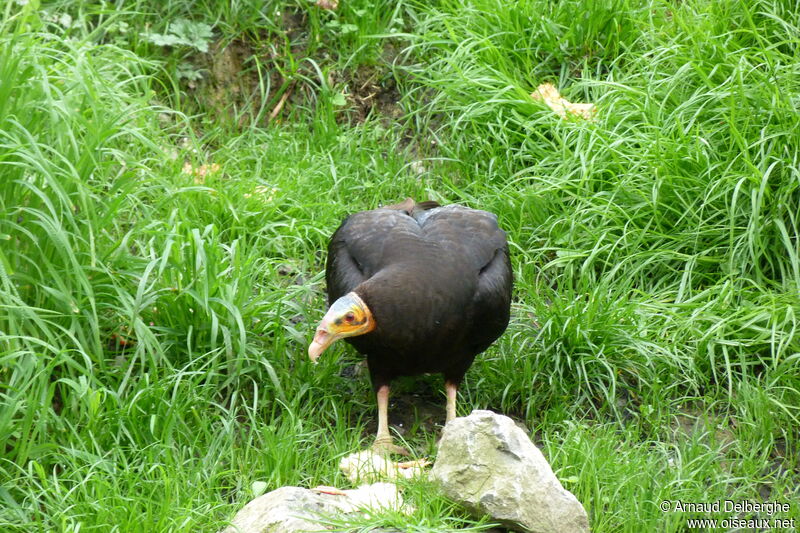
{"points": [[349, 317]]}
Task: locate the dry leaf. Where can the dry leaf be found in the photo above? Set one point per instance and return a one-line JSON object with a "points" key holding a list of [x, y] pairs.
{"points": [[550, 95], [328, 4], [326, 489], [121, 341], [367, 465], [200, 172]]}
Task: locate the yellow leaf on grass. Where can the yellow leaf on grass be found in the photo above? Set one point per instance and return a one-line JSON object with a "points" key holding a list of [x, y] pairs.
{"points": [[550, 95]]}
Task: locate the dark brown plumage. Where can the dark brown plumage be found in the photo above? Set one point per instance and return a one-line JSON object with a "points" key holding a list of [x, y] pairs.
{"points": [[436, 280]]}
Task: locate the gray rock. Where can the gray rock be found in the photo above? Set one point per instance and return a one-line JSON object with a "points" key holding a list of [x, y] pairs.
{"points": [[297, 509], [287, 509], [490, 466]]}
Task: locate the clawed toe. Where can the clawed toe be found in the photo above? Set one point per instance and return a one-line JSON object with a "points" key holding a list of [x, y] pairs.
{"points": [[385, 446]]}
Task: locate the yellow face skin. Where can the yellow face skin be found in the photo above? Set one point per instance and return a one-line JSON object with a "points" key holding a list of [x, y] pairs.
{"points": [[347, 317]]}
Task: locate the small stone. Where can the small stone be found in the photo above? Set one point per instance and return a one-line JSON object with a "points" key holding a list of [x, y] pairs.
{"points": [[297, 509], [418, 167], [491, 467]]}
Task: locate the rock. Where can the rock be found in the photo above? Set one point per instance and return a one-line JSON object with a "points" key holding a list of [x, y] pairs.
{"points": [[490, 466], [297, 509]]}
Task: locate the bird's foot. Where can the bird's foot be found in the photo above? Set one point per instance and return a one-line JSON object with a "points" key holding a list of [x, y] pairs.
{"points": [[384, 446]]}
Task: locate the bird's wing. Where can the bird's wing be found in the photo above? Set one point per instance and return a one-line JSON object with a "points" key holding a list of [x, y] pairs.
{"points": [[357, 249], [475, 236], [462, 232]]}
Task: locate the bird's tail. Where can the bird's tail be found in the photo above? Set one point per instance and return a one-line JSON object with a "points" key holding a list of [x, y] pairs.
{"points": [[411, 207]]}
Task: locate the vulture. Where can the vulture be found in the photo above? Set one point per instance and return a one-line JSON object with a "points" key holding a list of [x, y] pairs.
{"points": [[417, 288]]}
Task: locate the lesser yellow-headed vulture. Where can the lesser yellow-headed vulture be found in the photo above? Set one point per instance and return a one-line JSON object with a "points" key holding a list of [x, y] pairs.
{"points": [[417, 288]]}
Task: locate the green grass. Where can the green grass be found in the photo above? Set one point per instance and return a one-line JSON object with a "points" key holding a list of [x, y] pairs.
{"points": [[154, 322]]}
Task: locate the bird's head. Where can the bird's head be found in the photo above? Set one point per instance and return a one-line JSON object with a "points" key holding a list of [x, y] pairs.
{"points": [[347, 317]]}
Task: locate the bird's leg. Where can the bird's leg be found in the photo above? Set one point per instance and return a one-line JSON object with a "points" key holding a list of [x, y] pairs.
{"points": [[383, 440], [383, 414], [451, 390]]}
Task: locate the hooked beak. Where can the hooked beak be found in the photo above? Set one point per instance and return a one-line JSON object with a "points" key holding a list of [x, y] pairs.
{"points": [[322, 339]]}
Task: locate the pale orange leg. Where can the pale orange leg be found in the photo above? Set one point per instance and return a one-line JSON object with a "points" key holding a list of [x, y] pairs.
{"points": [[383, 440], [451, 389]]}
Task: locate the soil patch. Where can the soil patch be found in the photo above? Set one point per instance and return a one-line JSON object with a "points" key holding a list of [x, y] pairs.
{"points": [[244, 77], [229, 85]]}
